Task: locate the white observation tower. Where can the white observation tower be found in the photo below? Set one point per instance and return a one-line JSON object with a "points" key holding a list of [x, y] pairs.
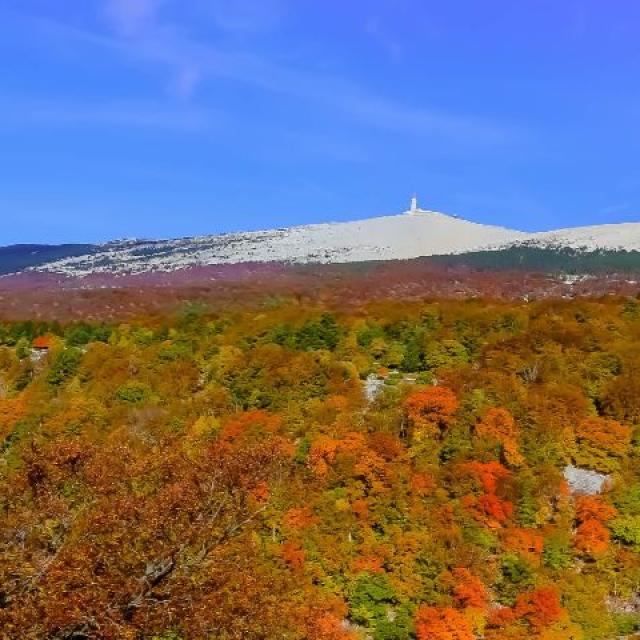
{"points": [[413, 207]]}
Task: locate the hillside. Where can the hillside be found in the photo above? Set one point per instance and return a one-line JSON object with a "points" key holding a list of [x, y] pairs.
{"points": [[388, 472], [414, 234], [19, 257], [398, 237], [622, 236]]}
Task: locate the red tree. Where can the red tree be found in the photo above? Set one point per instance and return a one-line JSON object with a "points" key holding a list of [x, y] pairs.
{"points": [[430, 411], [442, 623]]}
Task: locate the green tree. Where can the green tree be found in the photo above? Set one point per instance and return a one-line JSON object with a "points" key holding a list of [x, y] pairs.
{"points": [[318, 334], [64, 366], [370, 599], [627, 530], [516, 575]]}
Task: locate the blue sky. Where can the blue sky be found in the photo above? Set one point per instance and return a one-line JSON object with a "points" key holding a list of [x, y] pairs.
{"points": [[158, 118]]}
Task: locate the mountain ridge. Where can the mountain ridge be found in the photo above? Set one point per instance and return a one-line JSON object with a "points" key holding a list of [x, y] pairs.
{"points": [[412, 234]]}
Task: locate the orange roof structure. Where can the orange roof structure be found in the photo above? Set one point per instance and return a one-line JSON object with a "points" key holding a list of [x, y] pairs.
{"points": [[43, 342]]}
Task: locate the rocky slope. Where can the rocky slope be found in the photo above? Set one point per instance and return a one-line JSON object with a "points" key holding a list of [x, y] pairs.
{"points": [[398, 237]]}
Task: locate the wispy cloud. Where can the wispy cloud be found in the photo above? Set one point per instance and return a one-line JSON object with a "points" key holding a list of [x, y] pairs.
{"points": [[189, 61], [185, 81], [375, 29], [246, 16], [131, 17], [63, 113]]}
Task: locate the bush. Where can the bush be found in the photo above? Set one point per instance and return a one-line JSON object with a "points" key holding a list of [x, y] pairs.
{"points": [[133, 393]]}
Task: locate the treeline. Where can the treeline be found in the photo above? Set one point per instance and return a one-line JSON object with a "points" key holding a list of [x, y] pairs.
{"points": [[547, 260], [14, 334]]}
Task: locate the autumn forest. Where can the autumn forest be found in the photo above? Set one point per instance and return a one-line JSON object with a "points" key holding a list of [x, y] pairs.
{"points": [[392, 470]]}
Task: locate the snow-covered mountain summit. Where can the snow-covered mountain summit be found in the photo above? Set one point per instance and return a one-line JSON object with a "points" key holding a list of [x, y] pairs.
{"points": [[412, 234]]}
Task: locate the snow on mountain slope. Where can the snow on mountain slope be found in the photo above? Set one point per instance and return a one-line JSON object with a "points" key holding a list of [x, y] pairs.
{"points": [[413, 234], [622, 236], [410, 235]]}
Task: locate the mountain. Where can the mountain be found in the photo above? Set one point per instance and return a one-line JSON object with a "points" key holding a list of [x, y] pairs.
{"points": [[413, 234], [396, 237], [18, 257], [614, 237]]}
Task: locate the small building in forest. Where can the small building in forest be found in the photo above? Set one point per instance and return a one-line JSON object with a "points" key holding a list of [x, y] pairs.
{"points": [[40, 347], [42, 343]]}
